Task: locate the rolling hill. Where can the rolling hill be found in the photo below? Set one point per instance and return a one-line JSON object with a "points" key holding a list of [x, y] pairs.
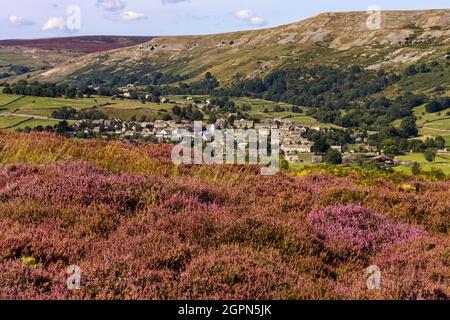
{"points": [[334, 39], [86, 44], [41, 54]]}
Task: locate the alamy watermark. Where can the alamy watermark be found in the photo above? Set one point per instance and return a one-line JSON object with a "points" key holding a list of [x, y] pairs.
{"points": [[374, 19], [74, 277], [374, 280], [73, 21], [231, 146]]}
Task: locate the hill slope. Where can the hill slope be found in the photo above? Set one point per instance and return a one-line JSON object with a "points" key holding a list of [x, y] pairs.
{"points": [[40, 54], [337, 39], [86, 44]]}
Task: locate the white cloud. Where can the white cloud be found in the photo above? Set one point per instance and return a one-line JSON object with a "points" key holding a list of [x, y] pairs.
{"points": [[54, 23], [19, 21], [111, 5], [132, 16], [257, 21], [244, 14], [249, 17]]}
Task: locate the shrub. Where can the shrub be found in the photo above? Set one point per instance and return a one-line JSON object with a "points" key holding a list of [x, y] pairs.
{"points": [[141, 228], [354, 229]]}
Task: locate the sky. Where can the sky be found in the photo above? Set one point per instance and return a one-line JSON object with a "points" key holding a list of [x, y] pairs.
{"points": [[26, 19]]}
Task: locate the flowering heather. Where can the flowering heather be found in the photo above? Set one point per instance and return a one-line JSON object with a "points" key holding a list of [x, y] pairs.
{"points": [[356, 229], [140, 228]]}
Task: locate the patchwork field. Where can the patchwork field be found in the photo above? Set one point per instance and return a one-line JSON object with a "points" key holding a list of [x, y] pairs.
{"points": [[41, 108], [9, 57], [432, 124], [7, 99], [442, 162], [12, 121]]}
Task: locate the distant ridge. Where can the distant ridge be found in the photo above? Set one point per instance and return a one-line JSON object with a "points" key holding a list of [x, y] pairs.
{"points": [[85, 44], [336, 39]]}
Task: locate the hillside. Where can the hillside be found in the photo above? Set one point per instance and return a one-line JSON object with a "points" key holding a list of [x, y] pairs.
{"points": [[40, 54], [86, 44], [334, 39]]}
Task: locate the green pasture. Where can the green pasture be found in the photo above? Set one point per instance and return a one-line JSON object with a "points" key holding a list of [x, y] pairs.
{"points": [[9, 122], [442, 162]]}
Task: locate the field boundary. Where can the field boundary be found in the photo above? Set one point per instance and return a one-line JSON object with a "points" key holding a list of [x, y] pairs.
{"points": [[18, 123], [7, 104]]}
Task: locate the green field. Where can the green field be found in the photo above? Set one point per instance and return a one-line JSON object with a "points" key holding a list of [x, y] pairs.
{"points": [[7, 57], [43, 107], [9, 122], [5, 99], [32, 123], [431, 124], [427, 82], [442, 162]]}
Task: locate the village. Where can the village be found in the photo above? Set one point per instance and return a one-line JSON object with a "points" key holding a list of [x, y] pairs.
{"points": [[294, 143]]}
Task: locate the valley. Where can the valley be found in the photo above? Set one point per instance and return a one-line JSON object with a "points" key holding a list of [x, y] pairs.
{"points": [[295, 162]]}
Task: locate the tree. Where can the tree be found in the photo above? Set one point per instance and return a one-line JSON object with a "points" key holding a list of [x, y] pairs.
{"points": [[284, 165], [439, 89], [278, 109], [208, 75], [71, 93], [409, 127], [65, 113], [430, 155], [212, 118], [320, 145], [296, 109], [62, 127], [333, 157], [433, 106], [197, 115], [439, 142], [176, 110], [411, 70], [7, 90], [415, 168]]}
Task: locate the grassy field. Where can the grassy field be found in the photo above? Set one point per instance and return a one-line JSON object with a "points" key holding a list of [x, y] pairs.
{"points": [[8, 56], [441, 124], [427, 82], [5, 99], [432, 124], [44, 107], [442, 162], [125, 109], [32, 123], [9, 122]]}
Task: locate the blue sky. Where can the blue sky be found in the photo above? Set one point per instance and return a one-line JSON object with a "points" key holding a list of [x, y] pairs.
{"points": [[50, 18]]}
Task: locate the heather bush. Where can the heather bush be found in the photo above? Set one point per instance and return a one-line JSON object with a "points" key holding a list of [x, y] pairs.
{"points": [[234, 272], [354, 229], [141, 228], [20, 282], [57, 183], [417, 270]]}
